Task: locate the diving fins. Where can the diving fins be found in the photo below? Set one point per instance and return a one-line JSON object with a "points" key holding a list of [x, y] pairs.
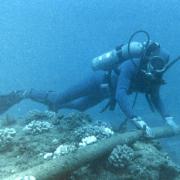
{"points": [[9, 100]]}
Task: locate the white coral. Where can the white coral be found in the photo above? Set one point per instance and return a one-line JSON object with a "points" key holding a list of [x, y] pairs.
{"points": [[88, 140], [48, 156], [37, 127], [107, 131], [25, 178], [64, 149], [99, 130]]}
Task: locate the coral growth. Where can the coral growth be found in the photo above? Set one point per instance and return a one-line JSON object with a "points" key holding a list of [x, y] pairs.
{"points": [[6, 137], [140, 160], [37, 127], [98, 129], [64, 149], [73, 121], [36, 115], [143, 161], [121, 156]]}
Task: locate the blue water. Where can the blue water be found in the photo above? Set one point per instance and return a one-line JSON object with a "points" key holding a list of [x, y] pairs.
{"points": [[48, 44]]}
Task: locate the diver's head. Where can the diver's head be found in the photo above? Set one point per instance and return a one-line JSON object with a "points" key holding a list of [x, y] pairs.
{"points": [[157, 61]]}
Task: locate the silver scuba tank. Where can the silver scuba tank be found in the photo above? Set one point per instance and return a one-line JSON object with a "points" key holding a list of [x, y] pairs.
{"points": [[111, 59], [106, 61], [135, 50]]}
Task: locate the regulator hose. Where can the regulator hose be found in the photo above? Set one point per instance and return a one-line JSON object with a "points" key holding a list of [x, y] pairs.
{"points": [[132, 37]]}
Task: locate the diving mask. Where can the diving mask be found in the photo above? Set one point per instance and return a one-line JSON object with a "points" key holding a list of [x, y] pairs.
{"points": [[156, 64]]}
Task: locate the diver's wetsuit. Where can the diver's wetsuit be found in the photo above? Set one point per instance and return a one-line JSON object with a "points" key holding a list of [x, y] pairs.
{"points": [[91, 91], [81, 96]]}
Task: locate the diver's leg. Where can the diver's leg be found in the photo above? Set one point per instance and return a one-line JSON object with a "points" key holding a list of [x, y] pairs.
{"points": [[45, 97], [8, 100], [88, 87], [54, 100], [83, 103]]}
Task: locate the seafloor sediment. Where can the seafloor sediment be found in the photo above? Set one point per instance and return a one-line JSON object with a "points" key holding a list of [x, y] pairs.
{"points": [[41, 136]]}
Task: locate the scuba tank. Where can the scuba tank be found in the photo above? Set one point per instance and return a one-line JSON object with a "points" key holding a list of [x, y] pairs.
{"points": [[106, 61], [112, 59], [134, 49]]}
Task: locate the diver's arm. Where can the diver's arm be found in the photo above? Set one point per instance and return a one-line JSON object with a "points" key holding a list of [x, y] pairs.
{"points": [[123, 84], [157, 101], [136, 50]]}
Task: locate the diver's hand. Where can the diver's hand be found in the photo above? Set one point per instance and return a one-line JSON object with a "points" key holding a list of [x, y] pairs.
{"points": [[171, 123], [140, 124]]}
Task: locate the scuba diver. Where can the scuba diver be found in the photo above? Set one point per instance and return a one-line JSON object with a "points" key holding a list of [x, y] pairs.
{"points": [[135, 67]]}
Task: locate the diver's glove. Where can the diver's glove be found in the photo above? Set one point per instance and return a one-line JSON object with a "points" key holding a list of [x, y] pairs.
{"points": [[170, 122], [140, 124]]}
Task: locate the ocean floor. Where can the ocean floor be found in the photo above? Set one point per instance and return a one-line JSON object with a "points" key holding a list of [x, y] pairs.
{"points": [[39, 137]]}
